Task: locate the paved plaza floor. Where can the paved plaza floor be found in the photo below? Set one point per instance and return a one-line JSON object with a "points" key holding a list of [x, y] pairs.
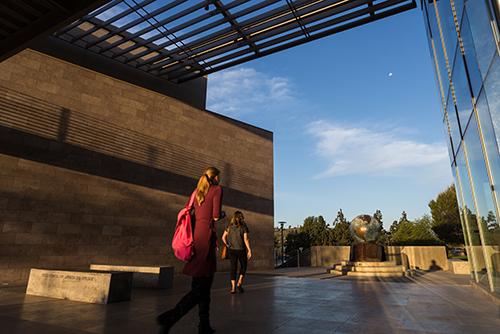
{"points": [[293, 301]]}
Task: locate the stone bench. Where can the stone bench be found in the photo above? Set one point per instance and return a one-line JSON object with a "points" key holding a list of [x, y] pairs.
{"points": [[459, 267], [161, 277], [82, 286]]}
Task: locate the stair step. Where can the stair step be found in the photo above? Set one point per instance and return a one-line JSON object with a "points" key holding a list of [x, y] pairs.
{"points": [[374, 264], [368, 274], [394, 269], [341, 267], [337, 272]]}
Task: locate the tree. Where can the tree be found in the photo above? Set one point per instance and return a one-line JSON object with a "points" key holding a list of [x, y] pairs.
{"points": [[295, 240], [383, 238], [317, 230], [396, 223], [418, 233], [423, 233], [340, 234], [446, 217]]}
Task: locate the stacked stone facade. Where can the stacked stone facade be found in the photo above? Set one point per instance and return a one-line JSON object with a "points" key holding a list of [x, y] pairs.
{"points": [[94, 170]]}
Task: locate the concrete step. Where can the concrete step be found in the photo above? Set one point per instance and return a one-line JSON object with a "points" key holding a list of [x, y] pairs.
{"points": [[342, 267], [368, 274], [367, 269], [337, 272], [374, 264]]}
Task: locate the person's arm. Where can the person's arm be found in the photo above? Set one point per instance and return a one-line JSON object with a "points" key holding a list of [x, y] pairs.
{"points": [[224, 237], [247, 243], [217, 204]]}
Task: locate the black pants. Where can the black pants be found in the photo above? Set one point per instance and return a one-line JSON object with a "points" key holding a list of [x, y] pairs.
{"points": [[199, 295], [236, 255]]}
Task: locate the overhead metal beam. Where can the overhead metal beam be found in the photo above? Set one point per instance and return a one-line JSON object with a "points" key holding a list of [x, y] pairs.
{"points": [[52, 16], [178, 40], [322, 34]]}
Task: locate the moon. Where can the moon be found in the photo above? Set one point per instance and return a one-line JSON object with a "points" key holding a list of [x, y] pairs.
{"points": [[390, 74]]}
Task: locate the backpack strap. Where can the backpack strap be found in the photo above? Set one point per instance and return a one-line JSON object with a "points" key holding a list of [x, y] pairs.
{"points": [[191, 200]]}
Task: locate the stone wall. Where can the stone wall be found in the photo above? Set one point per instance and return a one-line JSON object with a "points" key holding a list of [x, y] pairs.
{"points": [[418, 257], [94, 170], [327, 256]]}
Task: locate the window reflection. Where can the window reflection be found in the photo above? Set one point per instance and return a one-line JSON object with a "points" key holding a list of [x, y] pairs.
{"points": [[469, 215], [463, 221], [447, 26], [492, 236], [448, 139], [441, 62], [492, 87], [453, 121], [459, 8], [488, 222], [462, 91], [470, 56], [480, 25]]}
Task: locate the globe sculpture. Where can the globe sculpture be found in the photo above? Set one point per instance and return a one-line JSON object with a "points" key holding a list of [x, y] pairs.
{"points": [[365, 228]]}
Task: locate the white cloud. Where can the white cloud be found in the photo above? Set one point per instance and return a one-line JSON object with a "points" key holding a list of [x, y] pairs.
{"points": [[359, 150], [244, 90]]}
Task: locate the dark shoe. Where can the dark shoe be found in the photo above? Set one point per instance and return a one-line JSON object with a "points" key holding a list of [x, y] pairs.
{"points": [[166, 320], [205, 328], [232, 292], [240, 289]]}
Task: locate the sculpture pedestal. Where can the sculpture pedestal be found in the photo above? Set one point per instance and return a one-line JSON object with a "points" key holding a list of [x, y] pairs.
{"points": [[368, 252]]}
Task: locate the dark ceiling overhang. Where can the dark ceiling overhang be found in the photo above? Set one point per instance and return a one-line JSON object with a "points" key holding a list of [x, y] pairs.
{"points": [[22, 21]]}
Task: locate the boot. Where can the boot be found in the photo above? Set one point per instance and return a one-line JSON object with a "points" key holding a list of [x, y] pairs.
{"points": [[166, 320], [205, 328]]}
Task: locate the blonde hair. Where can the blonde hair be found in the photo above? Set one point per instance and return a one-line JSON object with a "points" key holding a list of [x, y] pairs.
{"points": [[206, 180], [237, 219]]}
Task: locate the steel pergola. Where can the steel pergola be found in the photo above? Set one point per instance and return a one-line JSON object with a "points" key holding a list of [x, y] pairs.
{"points": [[179, 40]]}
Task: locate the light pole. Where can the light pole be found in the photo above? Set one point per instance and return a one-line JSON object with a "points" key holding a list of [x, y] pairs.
{"points": [[298, 256], [282, 243]]}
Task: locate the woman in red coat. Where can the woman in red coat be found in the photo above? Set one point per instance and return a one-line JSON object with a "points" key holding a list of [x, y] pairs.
{"points": [[202, 266]]}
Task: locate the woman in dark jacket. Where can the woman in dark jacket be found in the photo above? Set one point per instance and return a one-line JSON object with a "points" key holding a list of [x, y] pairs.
{"points": [[236, 239], [202, 266]]}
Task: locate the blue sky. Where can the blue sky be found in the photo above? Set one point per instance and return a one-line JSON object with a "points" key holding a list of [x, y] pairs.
{"points": [[356, 121]]}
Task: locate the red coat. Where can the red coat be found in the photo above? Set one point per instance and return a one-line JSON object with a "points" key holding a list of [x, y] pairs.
{"points": [[204, 261]]}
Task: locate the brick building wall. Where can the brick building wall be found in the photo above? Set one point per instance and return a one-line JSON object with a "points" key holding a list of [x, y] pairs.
{"points": [[94, 170]]}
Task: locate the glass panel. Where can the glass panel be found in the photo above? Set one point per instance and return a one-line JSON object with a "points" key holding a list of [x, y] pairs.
{"points": [[439, 48], [462, 91], [470, 56], [492, 236], [492, 87], [489, 138], [476, 251], [463, 220], [482, 191], [482, 34], [459, 8], [435, 66], [447, 26], [453, 122], [469, 215], [448, 139]]}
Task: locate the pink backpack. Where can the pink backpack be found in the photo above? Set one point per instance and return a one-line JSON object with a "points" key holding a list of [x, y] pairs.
{"points": [[182, 243]]}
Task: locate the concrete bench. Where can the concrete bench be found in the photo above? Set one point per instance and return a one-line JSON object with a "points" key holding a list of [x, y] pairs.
{"points": [[82, 286], [459, 267], [161, 277]]}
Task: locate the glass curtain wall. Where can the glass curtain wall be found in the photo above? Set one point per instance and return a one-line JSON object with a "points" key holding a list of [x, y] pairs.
{"points": [[464, 45]]}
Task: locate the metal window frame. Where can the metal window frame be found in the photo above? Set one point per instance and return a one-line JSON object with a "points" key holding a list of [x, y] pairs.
{"points": [[224, 33]]}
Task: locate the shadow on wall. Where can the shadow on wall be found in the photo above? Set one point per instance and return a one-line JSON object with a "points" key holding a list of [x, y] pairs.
{"points": [[87, 222], [429, 258], [37, 130]]}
